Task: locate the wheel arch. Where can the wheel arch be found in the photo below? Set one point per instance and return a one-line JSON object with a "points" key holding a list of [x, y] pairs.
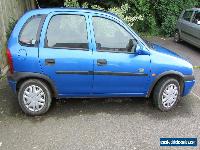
{"points": [[22, 77], [173, 74]]}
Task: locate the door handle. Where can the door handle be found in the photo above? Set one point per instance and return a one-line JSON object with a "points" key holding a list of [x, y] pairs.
{"points": [[101, 62], [49, 62]]}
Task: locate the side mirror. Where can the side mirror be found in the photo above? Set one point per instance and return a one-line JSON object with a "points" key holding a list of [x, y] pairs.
{"points": [[141, 51], [131, 47]]}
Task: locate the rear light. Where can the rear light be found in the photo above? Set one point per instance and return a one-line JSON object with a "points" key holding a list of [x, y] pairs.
{"points": [[10, 61]]}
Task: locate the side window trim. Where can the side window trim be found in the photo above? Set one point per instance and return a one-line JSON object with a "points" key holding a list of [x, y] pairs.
{"points": [[40, 29], [68, 48], [113, 20], [43, 17]]}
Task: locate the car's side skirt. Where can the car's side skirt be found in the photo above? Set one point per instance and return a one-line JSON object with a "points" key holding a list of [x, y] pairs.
{"points": [[102, 95]]}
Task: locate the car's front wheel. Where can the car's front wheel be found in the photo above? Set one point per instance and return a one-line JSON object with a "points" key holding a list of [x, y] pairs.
{"points": [[34, 97], [167, 94]]}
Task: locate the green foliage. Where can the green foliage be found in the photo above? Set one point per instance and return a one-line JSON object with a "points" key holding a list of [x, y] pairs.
{"points": [[168, 11], [145, 21], [145, 16], [122, 12], [11, 25]]}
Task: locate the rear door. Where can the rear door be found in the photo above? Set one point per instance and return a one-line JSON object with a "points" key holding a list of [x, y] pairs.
{"points": [[65, 54]]}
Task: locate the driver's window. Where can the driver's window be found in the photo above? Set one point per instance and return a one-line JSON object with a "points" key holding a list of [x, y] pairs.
{"points": [[110, 36], [196, 18]]}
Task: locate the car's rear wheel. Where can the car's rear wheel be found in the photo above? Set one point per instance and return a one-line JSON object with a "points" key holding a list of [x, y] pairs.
{"points": [[167, 94], [177, 36], [34, 97]]}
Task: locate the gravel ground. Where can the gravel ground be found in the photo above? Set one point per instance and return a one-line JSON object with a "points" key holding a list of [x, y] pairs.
{"points": [[114, 123]]}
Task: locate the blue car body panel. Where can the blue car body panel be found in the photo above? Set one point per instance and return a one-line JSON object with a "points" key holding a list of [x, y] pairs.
{"points": [[188, 87], [76, 73], [68, 60], [164, 60], [24, 58], [129, 63]]}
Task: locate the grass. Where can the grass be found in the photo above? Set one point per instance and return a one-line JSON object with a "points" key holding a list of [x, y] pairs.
{"points": [[2, 78], [196, 67]]}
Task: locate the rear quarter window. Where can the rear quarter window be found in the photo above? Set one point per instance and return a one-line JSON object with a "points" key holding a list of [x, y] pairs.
{"points": [[29, 35]]}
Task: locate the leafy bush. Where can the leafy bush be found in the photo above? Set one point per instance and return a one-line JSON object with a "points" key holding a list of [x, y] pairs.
{"points": [[122, 11], [168, 11], [146, 16]]}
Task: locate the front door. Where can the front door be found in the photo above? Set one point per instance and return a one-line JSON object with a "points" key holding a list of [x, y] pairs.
{"points": [[65, 56], [117, 71]]}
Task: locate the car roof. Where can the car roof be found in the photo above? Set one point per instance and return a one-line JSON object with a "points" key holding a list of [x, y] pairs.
{"points": [[64, 9], [195, 9]]}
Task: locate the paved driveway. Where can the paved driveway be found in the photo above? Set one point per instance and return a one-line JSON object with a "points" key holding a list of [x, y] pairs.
{"points": [[118, 123]]}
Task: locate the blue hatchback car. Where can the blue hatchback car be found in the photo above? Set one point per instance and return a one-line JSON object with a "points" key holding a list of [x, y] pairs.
{"points": [[63, 52]]}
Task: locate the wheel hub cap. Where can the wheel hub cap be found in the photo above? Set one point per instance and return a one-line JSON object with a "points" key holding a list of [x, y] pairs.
{"points": [[170, 95], [34, 98]]}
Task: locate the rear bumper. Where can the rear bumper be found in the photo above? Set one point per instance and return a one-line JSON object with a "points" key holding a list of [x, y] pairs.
{"points": [[188, 87]]}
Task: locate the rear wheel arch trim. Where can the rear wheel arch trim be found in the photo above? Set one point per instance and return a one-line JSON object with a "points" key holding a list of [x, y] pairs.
{"points": [[22, 76], [164, 74]]}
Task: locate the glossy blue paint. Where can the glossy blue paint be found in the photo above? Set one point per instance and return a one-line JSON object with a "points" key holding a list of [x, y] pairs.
{"points": [[188, 87], [121, 84], [24, 58], [90, 82], [68, 60], [163, 60]]}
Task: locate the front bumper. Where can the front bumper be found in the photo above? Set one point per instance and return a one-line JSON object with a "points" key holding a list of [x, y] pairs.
{"points": [[189, 82]]}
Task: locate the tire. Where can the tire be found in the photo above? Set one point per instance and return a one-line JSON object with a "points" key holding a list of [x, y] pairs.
{"points": [[167, 94], [34, 97], [177, 38]]}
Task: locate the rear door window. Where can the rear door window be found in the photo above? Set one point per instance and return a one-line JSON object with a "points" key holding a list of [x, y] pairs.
{"points": [[67, 31], [29, 35], [187, 15]]}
